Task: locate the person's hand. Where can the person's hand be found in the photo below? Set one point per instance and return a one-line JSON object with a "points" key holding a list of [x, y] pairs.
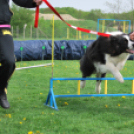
{"points": [[132, 36], [38, 2]]}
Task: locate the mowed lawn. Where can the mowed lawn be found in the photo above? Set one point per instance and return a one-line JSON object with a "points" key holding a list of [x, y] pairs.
{"points": [[28, 90]]}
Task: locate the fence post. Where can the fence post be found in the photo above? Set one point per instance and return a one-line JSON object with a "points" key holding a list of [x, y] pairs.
{"points": [[67, 33], [24, 28], [31, 32], [17, 31], [37, 33]]}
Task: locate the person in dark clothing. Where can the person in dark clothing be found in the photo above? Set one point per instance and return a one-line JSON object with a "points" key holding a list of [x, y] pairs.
{"points": [[7, 59]]}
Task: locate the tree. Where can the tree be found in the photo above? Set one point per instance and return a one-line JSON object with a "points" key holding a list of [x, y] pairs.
{"points": [[116, 7], [132, 12], [21, 16]]}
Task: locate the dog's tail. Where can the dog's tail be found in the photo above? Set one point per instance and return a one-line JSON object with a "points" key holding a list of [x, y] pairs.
{"points": [[82, 83]]}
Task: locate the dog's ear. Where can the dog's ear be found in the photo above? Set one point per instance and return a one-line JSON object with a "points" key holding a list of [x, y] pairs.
{"points": [[114, 45], [113, 38]]}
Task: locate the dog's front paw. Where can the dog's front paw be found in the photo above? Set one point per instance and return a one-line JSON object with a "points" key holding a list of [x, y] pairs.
{"points": [[120, 79]]}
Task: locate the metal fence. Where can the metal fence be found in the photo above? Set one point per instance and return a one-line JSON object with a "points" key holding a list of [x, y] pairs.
{"points": [[61, 30]]}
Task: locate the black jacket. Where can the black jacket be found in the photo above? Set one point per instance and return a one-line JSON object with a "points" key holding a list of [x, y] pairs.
{"points": [[6, 13]]}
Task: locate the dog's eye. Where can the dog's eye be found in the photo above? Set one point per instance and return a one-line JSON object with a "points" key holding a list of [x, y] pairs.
{"points": [[125, 41]]}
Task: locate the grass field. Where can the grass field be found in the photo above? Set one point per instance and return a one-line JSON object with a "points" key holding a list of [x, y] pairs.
{"points": [[27, 93]]}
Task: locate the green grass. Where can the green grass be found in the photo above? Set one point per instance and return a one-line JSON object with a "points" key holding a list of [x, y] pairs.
{"points": [[27, 93]]}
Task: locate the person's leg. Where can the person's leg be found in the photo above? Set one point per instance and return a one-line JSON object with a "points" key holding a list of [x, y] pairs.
{"points": [[7, 63]]}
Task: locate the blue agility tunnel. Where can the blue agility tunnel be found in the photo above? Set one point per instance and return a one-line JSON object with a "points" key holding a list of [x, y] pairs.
{"points": [[42, 49]]}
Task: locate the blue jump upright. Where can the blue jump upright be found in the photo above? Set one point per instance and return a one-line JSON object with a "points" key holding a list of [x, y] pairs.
{"points": [[51, 98]]}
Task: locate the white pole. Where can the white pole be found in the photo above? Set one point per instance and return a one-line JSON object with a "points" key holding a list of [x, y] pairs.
{"points": [[24, 28], [21, 68]]}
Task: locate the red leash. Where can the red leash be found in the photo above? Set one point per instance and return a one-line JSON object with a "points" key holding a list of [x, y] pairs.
{"points": [[74, 27], [36, 17]]}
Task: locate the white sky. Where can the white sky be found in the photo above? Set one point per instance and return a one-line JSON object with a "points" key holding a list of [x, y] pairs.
{"points": [[86, 5]]}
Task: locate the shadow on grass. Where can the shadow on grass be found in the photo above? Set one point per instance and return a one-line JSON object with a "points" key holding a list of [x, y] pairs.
{"points": [[98, 106]]}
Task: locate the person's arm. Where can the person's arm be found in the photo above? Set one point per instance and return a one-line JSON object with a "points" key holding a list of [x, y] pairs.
{"points": [[25, 3], [131, 35]]}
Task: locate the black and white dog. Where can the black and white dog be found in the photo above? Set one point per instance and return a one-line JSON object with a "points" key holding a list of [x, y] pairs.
{"points": [[106, 55]]}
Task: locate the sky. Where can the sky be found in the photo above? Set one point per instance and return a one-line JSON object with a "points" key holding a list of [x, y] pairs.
{"points": [[85, 5]]}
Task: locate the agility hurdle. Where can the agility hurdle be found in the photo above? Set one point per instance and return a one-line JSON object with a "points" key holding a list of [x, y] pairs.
{"points": [[51, 98]]}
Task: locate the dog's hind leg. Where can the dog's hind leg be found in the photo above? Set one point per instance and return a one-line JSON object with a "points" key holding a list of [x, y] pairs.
{"points": [[82, 83], [98, 82]]}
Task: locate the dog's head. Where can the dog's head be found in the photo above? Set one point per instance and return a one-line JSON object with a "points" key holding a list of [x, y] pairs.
{"points": [[121, 43], [130, 44]]}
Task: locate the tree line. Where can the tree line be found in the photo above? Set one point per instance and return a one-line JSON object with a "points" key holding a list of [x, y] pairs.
{"points": [[22, 16], [93, 14], [25, 17]]}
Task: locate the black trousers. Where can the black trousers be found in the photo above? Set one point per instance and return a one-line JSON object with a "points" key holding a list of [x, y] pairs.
{"points": [[7, 59]]}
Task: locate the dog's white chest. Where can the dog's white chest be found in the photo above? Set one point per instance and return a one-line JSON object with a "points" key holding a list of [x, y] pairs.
{"points": [[111, 63], [100, 68], [118, 59]]}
